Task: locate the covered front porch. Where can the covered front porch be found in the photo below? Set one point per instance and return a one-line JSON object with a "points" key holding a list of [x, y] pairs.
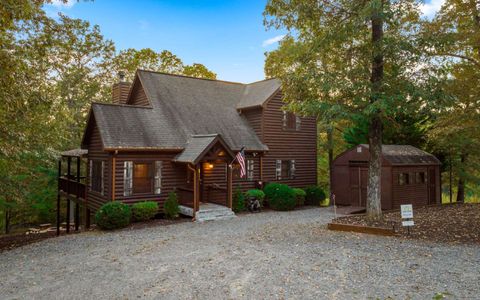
{"points": [[208, 194]]}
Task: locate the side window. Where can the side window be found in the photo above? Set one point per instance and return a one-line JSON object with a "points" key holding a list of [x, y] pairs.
{"points": [[97, 168], [403, 178], [291, 174], [278, 169], [290, 121], [420, 177], [285, 169]]}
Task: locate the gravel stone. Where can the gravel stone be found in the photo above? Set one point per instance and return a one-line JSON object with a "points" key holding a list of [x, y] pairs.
{"points": [[269, 255]]}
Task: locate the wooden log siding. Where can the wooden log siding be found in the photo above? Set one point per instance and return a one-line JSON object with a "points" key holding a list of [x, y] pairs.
{"points": [[283, 144], [95, 152], [215, 176], [173, 176], [138, 95]]}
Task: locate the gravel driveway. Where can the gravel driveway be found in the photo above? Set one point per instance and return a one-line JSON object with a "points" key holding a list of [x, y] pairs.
{"points": [[267, 255]]}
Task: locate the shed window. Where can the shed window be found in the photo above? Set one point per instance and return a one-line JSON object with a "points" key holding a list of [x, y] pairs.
{"points": [[420, 177], [285, 169], [403, 179], [250, 168], [291, 121], [97, 168]]}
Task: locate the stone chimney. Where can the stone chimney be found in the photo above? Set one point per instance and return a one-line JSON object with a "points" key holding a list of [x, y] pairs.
{"points": [[121, 89]]}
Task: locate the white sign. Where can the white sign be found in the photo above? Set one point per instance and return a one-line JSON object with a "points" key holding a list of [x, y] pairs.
{"points": [[407, 223], [407, 211]]}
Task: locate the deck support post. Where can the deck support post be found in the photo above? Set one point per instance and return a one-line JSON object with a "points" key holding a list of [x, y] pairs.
{"points": [[58, 194], [77, 192], [69, 163]]}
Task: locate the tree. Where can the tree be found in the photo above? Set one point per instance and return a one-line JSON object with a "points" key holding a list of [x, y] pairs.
{"points": [[452, 39], [353, 59], [130, 60]]}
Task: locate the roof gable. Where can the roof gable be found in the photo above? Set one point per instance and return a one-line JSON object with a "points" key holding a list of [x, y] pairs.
{"points": [[258, 93], [198, 145]]}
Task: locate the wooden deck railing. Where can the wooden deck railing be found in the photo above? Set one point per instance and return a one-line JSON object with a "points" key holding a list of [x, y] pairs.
{"points": [[72, 187], [185, 196]]}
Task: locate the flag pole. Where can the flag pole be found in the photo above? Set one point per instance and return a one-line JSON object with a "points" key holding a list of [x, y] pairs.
{"points": [[235, 158]]}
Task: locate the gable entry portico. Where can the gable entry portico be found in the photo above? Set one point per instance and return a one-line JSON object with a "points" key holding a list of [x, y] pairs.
{"points": [[207, 157]]}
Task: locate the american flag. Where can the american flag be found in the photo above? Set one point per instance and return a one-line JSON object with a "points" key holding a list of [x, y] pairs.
{"points": [[241, 160]]}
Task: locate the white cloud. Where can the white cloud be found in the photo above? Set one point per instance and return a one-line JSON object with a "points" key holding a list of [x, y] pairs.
{"points": [[273, 40], [429, 9], [60, 3]]}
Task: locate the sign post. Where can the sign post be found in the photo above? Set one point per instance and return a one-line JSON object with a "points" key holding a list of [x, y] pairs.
{"points": [[407, 216]]}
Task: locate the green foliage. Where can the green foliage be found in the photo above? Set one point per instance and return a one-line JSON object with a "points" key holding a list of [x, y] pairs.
{"points": [[325, 202], [171, 207], [258, 194], [300, 196], [113, 215], [280, 196], [144, 211], [314, 195], [238, 200]]}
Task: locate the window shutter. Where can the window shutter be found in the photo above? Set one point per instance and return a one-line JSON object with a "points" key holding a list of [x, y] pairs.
{"points": [[278, 169], [90, 174], [102, 177], [127, 178], [292, 169], [284, 120], [250, 169], [158, 177], [298, 122]]}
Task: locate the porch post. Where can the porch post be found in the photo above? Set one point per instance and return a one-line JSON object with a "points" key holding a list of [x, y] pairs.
{"points": [[229, 186], [197, 186], [69, 162], [58, 194]]}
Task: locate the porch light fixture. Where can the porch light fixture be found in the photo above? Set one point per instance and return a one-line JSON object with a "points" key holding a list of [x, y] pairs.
{"points": [[208, 166]]}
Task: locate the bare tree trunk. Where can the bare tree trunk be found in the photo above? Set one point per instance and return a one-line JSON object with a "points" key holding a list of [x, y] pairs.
{"points": [[374, 209], [461, 181]]}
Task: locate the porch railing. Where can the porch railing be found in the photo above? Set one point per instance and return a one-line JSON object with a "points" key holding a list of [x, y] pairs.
{"points": [[185, 196], [72, 187]]}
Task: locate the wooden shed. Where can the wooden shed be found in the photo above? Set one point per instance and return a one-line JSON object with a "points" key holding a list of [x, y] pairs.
{"points": [[409, 176]]}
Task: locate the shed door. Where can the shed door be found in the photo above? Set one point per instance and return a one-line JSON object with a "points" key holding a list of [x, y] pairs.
{"points": [[358, 186], [431, 186]]}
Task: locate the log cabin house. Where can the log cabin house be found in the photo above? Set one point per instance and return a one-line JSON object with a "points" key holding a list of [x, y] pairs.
{"points": [[167, 133], [409, 176]]}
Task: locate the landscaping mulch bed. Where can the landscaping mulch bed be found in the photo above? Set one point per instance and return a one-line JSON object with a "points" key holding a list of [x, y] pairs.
{"points": [[452, 223]]}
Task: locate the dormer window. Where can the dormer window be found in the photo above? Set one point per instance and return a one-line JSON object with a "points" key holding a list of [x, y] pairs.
{"points": [[291, 121]]}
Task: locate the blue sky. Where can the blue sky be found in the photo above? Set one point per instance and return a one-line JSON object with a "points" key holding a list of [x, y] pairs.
{"points": [[226, 36]]}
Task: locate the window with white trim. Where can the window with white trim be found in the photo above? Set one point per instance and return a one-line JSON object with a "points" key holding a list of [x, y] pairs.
{"points": [[291, 121], [250, 169], [285, 169], [142, 178]]}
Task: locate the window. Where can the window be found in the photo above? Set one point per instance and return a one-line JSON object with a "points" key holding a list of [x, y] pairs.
{"points": [[142, 178], [291, 121], [285, 169], [420, 177], [250, 169], [97, 168], [403, 179]]}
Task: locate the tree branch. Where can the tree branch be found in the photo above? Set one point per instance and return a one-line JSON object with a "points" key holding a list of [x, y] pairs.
{"points": [[470, 59]]}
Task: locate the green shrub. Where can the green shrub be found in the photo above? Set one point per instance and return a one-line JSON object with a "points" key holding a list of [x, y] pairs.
{"points": [[280, 196], [238, 201], [258, 194], [171, 207], [300, 196], [113, 215], [143, 211], [325, 202], [314, 195]]}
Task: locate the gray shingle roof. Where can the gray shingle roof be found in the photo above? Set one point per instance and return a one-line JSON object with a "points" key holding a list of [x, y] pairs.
{"points": [[182, 107], [406, 155], [255, 94], [195, 147]]}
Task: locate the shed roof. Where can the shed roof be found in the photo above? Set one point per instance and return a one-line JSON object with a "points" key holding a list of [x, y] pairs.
{"points": [[406, 155]]}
